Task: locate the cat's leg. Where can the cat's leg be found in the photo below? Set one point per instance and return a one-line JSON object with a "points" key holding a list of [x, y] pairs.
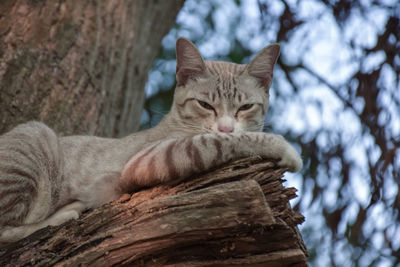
{"points": [[30, 162], [183, 157], [66, 213]]}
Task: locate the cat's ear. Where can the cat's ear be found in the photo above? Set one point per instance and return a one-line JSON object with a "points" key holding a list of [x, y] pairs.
{"points": [[190, 63], [262, 66]]}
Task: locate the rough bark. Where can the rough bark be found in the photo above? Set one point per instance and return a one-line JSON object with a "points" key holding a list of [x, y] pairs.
{"points": [[237, 215], [79, 66]]}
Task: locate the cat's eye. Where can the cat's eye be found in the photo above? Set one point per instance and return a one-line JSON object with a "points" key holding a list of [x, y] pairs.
{"points": [[246, 107], [205, 105]]}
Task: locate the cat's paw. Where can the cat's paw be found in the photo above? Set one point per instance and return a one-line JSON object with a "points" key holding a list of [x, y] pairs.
{"points": [[11, 234], [291, 159], [63, 216]]}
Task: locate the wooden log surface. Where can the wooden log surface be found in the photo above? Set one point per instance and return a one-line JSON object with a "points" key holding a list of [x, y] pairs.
{"points": [[236, 215]]}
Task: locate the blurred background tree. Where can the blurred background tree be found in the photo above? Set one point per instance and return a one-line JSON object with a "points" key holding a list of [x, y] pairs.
{"points": [[336, 96], [79, 66]]}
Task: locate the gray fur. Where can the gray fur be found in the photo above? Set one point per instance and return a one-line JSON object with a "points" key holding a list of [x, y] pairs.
{"points": [[216, 117]]}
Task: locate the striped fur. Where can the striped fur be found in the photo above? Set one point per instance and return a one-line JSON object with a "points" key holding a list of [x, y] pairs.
{"points": [[183, 157], [29, 162], [216, 117]]}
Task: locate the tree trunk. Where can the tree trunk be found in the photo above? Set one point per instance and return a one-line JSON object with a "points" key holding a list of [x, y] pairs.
{"points": [[79, 66], [237, 215]]}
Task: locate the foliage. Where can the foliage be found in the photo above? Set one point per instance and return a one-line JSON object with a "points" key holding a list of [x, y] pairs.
{"points": [[336, 94]]}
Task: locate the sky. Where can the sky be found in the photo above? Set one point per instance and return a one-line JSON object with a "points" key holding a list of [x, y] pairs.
{"points": [[327, 51]]}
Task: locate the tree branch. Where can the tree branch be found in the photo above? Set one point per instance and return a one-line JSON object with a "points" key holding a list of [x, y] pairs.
{"points": [[235, 215]]}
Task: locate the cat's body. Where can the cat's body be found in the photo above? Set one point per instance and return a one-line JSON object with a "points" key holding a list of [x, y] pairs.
{"points": [[216, 117]]}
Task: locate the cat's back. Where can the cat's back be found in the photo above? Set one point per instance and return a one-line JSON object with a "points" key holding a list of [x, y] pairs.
{"points": [[87, 157]]}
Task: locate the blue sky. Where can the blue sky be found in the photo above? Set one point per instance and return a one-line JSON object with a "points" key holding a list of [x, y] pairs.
{"points": [[331, 53]]}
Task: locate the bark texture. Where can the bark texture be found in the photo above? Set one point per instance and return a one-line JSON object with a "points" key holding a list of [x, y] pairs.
{"points": [[79, 66], [237, 215]]}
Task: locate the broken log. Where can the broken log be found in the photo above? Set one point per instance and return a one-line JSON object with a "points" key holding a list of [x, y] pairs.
{"points": [[236, 215]]}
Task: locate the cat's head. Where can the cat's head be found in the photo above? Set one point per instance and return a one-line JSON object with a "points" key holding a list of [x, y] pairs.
{"points": [[213, 96]]}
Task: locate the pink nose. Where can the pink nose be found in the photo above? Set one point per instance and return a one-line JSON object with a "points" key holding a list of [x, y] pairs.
{"points": [[225, 129]]}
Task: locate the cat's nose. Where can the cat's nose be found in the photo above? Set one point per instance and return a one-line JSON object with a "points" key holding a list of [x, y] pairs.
{"points": [[225, 128], [226, 124]]}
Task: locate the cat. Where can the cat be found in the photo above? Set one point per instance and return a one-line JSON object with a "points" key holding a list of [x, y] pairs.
{"points": [[216, 117]]}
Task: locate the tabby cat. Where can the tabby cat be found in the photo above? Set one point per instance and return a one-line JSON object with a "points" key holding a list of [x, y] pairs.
{"points": [[216, 117]]}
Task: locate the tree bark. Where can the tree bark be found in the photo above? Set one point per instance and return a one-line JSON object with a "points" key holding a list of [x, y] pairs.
{"points": [[237, 215], [79, 66]]}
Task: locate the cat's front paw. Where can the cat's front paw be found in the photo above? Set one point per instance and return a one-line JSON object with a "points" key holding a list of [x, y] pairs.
{"points": [[291, 159]]}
